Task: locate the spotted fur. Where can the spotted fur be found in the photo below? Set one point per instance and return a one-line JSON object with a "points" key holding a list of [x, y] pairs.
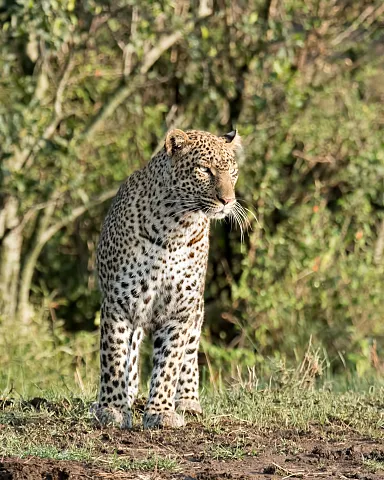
{"points": [[152, 260]]}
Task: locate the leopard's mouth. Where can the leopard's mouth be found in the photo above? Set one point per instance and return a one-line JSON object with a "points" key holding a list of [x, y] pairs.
{"points": [[215, 210], [219, 212]]}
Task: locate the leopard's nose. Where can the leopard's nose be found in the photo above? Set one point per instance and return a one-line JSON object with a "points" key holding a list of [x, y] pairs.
{"points": [[226, 200]]}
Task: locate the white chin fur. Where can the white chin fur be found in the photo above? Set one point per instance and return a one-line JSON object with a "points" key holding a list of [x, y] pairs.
{"points": [[219, 215]]}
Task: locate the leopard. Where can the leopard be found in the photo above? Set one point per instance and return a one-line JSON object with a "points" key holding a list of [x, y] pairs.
{"points": [[152, 262]]}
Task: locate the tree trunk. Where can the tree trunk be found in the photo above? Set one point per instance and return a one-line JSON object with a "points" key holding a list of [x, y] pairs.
{"points": [[18, 261], [11, 241], [24, 308]]}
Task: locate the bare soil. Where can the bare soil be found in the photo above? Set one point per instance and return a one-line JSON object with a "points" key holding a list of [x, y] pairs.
{"points": [[232, 451]]}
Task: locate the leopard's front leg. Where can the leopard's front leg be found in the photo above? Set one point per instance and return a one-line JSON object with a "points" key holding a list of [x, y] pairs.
{"points": [[169, 348], [114, 405], [187, 393]]}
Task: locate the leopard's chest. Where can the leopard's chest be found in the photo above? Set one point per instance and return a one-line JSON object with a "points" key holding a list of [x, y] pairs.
{"points": [[157, 282]]}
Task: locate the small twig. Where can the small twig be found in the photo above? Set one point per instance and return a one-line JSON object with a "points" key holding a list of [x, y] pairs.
{"points": [[62, 84], [288, 472], [325, 159]]}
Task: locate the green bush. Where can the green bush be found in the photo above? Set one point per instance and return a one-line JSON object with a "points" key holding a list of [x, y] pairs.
{"points": [[88, 92]]}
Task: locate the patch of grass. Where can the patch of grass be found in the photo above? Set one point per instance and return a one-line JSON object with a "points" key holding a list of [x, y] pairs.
{"points": [[227, 452], [288, 447], [374, 466], [374, 461], [40, 355], [233, 427], [15, 446], [299, 410], [59, 430], [24, 441], [152, 463], [69, 434], [50, 451], [264, 409]]}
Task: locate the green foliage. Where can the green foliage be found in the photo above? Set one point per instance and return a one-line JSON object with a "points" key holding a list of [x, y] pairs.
{"points": [[42, 357], [313, 270], [302, 83]]}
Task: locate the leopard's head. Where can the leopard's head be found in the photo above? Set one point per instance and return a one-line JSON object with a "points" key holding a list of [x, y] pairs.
{"points": [[203, 171]]}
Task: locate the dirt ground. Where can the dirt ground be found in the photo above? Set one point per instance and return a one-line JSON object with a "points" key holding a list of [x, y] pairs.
{"points": [[230, 451]]}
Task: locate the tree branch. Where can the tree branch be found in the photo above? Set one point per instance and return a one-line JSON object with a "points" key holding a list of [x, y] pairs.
{"points": [[162, 46], [364, 17], [122, 92], [42, 236], [29, 264], [76, 212], [28, 156]]}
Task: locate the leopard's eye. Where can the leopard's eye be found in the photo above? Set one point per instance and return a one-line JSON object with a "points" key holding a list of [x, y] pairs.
{"points": [[203, 169]]}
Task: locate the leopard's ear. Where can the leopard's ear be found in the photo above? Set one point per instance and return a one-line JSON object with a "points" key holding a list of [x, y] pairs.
{"points": [[234, 139], [175, 141]]}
